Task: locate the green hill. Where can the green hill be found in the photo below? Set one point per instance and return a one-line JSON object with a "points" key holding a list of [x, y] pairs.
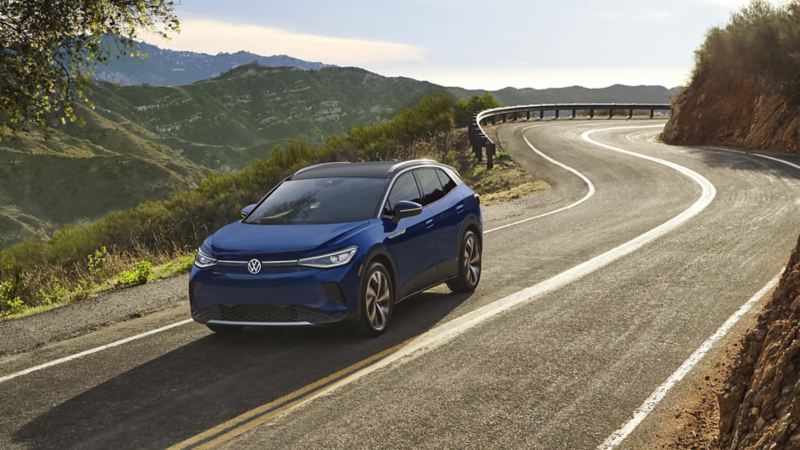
{"points": [[141, 142]]}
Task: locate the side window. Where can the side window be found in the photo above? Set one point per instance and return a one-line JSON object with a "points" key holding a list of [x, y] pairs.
{"points": [[405, 188], [430, 185], [447, 183]]}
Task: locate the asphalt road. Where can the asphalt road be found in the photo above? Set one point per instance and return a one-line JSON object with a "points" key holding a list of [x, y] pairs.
{"points": [[562, 370]]}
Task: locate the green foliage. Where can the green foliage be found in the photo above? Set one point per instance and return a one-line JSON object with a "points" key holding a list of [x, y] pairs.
{"points": [[50, 47], [466, 108], [95, 263], [141, 273], [76, 258], [55, 294], [181, 264], [10, 303], [762, 39]]}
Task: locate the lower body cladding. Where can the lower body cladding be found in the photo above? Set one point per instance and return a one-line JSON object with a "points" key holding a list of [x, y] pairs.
{"points": [[277, 296]]}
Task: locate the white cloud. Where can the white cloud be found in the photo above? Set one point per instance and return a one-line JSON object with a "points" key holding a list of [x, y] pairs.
{"points": [[593, 77], [210, 36]]}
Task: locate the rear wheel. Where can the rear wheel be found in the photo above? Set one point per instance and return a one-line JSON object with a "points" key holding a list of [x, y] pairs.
{"points": [[223, 329], [469, 264], [377, 301]]}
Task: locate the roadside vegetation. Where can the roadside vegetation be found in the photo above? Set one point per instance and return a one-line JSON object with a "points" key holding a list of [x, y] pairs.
{"points": [[157, 239], [762, 38]]}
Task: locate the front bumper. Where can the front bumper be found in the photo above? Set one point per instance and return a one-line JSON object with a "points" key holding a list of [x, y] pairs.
{"points": [[278, 296]]}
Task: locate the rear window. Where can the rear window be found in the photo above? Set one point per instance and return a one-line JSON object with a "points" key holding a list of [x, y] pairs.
{"points": [[430, 185], [447, 183], [320, 200]]}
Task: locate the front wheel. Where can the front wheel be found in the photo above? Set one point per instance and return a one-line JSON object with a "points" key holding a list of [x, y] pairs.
{"points": [[469, 264], [377, 301]]}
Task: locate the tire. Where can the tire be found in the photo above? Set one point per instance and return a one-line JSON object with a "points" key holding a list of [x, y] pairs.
{"points": [[224, 329], [376, 300], [469, 264]]}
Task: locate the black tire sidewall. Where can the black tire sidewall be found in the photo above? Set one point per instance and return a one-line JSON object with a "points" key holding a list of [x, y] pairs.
{"points": [[462, 282]]}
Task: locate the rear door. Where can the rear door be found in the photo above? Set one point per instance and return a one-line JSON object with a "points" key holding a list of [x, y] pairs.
{"points": [[434, 208], [452, 221]]}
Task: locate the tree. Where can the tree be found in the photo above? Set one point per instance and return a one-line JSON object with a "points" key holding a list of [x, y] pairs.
{"points": [[48, 49], [466, 108]]}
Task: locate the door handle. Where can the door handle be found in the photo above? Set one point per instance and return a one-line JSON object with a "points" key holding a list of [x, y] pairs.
{"points": [[429, 223], [460, 208]]}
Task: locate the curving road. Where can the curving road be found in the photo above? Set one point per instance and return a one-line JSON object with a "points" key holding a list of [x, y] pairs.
{"points": [[593, 295]]}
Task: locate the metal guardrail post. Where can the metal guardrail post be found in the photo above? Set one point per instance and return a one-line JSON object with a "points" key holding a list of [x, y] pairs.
{"points": [[630, 113], [652, 113], [491, 149], [573, 113], [504, 118], [591, 114], [528, 115], [558, 113], [541, 114], [611, 113]]}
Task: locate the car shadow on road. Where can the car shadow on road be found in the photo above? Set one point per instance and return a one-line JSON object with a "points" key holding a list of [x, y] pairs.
{"points": [[216, 378]]}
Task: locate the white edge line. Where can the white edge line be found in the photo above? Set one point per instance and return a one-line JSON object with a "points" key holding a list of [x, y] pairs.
{"points": [[58, 361], [589, 185], [183, 322], [442, 334], [661, 391]]}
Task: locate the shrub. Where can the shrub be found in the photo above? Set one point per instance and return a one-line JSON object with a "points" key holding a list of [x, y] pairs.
{"points": [[466, 108], [141, 273], [10, 303], [761, 38]]}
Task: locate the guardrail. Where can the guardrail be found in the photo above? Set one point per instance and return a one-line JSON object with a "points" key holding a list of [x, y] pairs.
{"points": [[479, 139]]}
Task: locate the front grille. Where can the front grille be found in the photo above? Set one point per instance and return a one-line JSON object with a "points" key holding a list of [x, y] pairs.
{"points": [[266, 313]]}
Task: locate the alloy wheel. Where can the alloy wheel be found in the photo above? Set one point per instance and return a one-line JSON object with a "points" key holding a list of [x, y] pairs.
{"points": [[472, 259], [378, 301]]}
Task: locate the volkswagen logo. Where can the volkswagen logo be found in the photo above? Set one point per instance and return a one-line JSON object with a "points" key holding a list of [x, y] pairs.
{"points": [[254, 266]]}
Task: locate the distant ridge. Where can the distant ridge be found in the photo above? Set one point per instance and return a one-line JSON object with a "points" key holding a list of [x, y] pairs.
{"points": [[162, 67]]}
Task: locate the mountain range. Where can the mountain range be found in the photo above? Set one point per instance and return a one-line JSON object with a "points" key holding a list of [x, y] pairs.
{"points": [[163, 67], [140, 141]]}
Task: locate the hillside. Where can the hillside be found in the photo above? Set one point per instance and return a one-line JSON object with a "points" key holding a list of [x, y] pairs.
{"points": [[140, 142], [744, 91], [162, 67]]}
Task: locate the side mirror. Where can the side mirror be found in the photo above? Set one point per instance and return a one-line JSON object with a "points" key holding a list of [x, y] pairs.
{"points": [[247, 210], [405, 209]]}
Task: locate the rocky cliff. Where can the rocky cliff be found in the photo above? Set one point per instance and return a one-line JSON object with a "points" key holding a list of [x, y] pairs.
{"points": [[759, 406], [735, 110]]}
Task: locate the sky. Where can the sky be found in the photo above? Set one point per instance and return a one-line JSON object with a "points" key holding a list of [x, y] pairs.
{"points": [[472, 44]]}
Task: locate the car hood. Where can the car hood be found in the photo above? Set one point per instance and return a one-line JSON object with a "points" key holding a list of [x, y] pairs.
{"points": [[239, 241]]}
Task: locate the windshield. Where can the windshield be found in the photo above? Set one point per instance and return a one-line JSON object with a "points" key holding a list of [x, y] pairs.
{"points": [[320, 200]]}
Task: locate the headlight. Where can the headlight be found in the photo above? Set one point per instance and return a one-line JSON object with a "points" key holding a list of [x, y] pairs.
{"points": [[202, 260], [328, 260]]}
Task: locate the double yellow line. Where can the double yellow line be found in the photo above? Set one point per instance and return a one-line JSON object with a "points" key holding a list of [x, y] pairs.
{"points": [[260, 415]]}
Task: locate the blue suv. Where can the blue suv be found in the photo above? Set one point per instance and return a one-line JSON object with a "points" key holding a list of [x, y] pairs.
{"points": [[340, 242]]}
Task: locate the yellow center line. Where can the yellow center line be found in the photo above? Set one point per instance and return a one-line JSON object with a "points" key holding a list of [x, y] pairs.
{"points": [[270, 410]]}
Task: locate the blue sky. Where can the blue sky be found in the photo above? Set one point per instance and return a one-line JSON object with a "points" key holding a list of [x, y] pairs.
{"points": [[475, 44]]}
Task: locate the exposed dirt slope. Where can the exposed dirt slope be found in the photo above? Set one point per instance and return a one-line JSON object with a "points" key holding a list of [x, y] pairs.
{"points": [[759, 405], [735, 110]]}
